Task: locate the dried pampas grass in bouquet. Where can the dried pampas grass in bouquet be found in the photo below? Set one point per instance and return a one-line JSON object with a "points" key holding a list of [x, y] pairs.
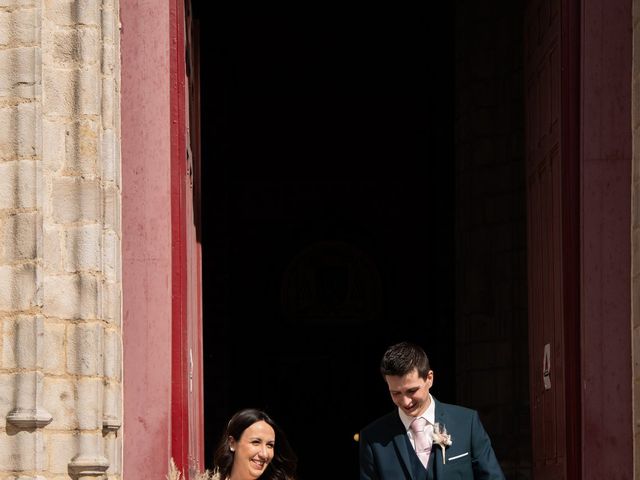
{"points": [[175, 474]]}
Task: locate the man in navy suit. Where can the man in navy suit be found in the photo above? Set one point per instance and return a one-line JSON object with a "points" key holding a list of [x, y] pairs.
{"points": [[423, 439]]}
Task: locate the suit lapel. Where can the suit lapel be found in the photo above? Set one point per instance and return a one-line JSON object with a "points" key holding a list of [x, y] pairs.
{"points": [[400, 441], [438, 463]]}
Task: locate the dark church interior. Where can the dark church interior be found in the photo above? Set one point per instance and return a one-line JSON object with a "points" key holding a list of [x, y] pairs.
{"points": [[334, 224]]}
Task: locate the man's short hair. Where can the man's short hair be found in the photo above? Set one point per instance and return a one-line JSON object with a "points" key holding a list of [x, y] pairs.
{"points": [[401, 358]]}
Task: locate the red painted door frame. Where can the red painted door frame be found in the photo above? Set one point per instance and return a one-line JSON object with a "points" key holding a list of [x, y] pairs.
{"points": [[161, 255], [179, 366], [187, 445]]}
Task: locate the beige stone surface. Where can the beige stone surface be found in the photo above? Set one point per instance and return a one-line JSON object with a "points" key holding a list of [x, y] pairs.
{"points": [[60, 231]]}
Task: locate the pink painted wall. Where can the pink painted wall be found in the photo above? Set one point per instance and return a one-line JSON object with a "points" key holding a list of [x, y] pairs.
{"points": [[146, 226]]}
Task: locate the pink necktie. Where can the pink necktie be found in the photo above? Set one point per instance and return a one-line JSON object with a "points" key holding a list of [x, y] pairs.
{"points": [[421, 439]]}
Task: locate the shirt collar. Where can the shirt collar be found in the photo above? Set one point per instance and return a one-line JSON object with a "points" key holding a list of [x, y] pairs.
{"points": [[429, 414]]}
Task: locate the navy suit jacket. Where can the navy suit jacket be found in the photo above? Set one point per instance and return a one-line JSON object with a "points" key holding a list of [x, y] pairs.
{"points": [[384, 450]]}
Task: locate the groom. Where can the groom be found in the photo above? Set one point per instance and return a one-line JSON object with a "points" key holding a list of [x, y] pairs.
{"points": [[423, 439]]}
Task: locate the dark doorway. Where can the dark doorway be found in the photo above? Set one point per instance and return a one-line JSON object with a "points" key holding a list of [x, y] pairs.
{"points": [[328, 215]]}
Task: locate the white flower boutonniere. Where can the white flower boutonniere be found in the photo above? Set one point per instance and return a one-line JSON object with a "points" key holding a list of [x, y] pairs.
{"points": [[442, 438]]}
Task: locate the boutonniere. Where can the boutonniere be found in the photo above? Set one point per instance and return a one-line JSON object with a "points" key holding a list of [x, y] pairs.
{"points": [[442, 438]]}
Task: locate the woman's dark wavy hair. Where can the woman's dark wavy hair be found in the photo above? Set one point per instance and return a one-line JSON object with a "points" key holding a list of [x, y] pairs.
{"points": [[281, 467]]}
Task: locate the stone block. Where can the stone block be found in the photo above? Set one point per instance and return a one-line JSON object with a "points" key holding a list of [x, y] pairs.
{"points": [[90, 402], [27, 477], [81, 149], [85, 345], [54, 355], [111, 208], [71, 296], [17, 3], [111, 255], [18, 27], [90, 458], [17, 287], [52, 249], [108, 156], [60, 401], [112, 414], [109, 60], [18, 184], [113, 451], [28, 390], [71, 12], [76, 46], [89, 89], [18, 452], [61, 447], [18, 233], [21, 338], [82, 246], [58, 91], [6, 22], [61, 46], [53, 144], [26, 129], [24, 26], [112, 302], [71, 92], [7, 393], [75, 200], [18, 69], [8, 127], [109, 22], [113, 358], [9, 343]]}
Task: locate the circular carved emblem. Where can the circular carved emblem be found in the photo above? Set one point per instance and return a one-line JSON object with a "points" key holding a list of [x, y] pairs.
{"points": [[331, 282]]}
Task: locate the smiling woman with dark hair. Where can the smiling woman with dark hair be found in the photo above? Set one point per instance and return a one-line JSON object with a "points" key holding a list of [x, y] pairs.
{"points": [[253, 446]]}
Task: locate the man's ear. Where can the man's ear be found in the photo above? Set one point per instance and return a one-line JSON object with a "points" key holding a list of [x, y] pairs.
{"points": [[429, 378]]}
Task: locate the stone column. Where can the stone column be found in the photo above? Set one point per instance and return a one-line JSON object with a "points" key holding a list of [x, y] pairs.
{"points": [[60, 282]]}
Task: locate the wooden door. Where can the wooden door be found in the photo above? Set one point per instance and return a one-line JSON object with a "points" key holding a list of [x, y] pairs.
{"points": [[553, 249]]}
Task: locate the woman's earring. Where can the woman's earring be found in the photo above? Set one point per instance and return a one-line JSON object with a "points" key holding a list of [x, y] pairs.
{"points": [[232, 449]]}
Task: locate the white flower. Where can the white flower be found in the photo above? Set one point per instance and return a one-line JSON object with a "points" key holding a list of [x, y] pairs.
{"points": [[442, 438]]}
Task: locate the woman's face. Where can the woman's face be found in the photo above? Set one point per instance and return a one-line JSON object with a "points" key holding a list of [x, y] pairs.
{"points": [[253, 451]]}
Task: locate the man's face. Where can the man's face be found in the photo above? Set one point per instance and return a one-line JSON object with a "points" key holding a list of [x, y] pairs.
{"points": [[410, 392]]}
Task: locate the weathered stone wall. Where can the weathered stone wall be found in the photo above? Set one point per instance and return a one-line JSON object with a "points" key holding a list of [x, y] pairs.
{"points": [[60, 283]]}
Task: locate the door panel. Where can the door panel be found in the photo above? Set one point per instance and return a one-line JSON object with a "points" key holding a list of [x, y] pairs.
{"points": [[545, 260]]}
